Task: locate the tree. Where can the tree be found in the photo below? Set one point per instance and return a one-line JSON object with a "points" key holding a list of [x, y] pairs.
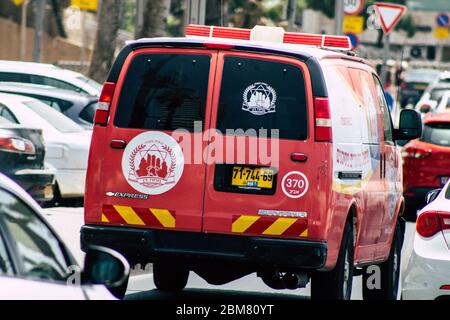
{"points": [[155, 18], [105, 42]]}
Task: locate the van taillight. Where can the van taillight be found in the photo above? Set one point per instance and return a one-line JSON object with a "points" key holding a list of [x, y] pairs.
{"points": [[431, 222], [104, 102], [322, 114]]}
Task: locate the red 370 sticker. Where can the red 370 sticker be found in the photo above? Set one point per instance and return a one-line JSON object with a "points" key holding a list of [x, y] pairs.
{"points": [[294, 184]]}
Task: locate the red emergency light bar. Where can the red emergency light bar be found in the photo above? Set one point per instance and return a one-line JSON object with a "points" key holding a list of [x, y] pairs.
{"points": [[318, 40]]}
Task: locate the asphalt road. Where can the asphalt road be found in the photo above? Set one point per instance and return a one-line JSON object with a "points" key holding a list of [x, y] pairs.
{"points": [[67, 222]]}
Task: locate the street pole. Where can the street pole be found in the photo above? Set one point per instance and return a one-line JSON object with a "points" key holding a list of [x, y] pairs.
{"points": [[195, 11], [139, 22], [292, 6], [38, 29], [83, 39], [386, 49], [338, 16], [23, 31]]}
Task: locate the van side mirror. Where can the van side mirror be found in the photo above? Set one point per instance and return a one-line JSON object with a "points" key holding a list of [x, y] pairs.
{"points": [[410, 125], [432, 195], [107, 267]]}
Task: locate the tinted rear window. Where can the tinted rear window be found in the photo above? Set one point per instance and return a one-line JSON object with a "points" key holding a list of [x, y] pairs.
{"points": [[437, 133], [265, 94], [436, 94], [88, 112], [164, 91]]}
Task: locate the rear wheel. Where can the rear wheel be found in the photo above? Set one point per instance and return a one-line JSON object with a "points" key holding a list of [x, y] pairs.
{"points": [[170, 276], [337, 283], [387, 286]]}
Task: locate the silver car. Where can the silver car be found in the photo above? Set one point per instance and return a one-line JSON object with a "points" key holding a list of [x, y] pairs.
{"points": [[67, 143], [47, 74], [35, 263]]}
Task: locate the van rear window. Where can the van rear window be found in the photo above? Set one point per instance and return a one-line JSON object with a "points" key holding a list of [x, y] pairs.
{"points": [[264, 94], [164, 92]]}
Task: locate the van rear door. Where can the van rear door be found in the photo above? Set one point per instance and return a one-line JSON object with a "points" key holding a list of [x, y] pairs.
{"points": [[258, 181], [139, 175]]}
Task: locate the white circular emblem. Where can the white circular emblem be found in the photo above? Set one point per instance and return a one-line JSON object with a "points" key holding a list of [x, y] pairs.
{"points": [[294, 184], [259, 99], [153, 162]]}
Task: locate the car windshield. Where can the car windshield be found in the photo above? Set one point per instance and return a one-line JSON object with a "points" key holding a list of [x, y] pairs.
{"points": [[57, 120], [421, 75], [437, 133]]}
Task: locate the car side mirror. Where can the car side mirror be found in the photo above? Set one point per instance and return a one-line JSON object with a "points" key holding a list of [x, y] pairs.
{"points": [[410, 125], [107, 267], [425, 108], [432, 195]]}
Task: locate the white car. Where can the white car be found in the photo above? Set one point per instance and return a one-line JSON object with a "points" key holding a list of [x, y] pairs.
{"points": [[67, 142], [443, 104], [35, 264], [427, 273], [47, 74]]}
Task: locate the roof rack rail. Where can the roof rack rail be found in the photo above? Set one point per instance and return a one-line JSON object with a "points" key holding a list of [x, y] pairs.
{"points": [[267, 33]]}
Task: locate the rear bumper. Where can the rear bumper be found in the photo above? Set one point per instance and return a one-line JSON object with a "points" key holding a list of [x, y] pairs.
{"points": [[38, 183], [193, 248]]}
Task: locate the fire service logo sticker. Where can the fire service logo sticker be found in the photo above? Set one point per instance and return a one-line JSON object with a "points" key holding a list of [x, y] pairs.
{"points": [[152, 163], [259, 99]]}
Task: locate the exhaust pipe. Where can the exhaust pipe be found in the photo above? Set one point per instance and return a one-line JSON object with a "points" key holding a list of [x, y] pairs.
{"points": [[278, 280]]}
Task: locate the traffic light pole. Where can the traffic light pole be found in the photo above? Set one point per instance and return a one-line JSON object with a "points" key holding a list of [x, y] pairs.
{"points": [[39, 29], [386, 49], [338, 16]]}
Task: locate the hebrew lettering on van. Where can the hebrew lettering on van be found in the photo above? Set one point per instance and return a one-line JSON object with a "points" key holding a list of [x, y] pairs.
{"points": [[259, 99]]}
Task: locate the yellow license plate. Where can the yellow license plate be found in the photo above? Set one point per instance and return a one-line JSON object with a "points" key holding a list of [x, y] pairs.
{"points": [[48, 192], [252, 177], [420, 86]]}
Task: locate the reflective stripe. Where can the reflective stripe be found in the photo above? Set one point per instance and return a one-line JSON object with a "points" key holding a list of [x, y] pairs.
{"points": [[128, 214], [164, 217], [104, 218], [243, 223], [304, 233], [280, 226]]}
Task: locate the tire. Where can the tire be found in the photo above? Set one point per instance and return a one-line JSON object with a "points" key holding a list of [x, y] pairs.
{"points": [[337, 283], [119, 292], [169, 276], [410, 213], [389, 272]]}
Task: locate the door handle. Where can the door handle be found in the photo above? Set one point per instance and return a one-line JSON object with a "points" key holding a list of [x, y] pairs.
{"points": [[118, 144], [381, 166], [299, 157]]}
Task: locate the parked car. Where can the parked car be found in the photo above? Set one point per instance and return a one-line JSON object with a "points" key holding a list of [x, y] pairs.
{"points": [[426, 162], [415, 83], [327, 203], [22, 152], [78, 107], [427, 272], [35, 263], [443, 104], [431, 96], [67, 142], [47, 74]]}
